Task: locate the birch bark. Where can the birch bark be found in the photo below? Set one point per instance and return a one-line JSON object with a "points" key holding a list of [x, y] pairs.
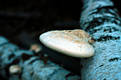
{"points": [[101, 20], [32, 67]]}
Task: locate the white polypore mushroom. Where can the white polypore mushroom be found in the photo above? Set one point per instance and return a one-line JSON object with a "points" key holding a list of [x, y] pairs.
{"points": [[15, 69], [35, 47], [70, 42]]}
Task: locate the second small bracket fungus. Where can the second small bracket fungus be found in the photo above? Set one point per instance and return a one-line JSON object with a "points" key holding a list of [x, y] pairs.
{"points": [[15, 69], [75, 43]]}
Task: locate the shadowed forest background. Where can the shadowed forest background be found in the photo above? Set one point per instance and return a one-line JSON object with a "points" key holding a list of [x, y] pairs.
{"points": [[36, 17]]}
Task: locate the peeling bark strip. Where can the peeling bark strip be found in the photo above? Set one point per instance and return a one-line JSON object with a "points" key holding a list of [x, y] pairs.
{"points": [[101, 20]]}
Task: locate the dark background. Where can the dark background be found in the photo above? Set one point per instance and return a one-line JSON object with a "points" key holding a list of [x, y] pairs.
{"points": [[38, 16]]}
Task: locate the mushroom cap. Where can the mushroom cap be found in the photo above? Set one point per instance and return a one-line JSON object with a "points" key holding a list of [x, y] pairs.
{"points": [[14, 69], [35, 47], [70, 42]]}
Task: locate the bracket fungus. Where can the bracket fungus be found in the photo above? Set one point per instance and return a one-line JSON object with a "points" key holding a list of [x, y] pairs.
{"points": [[75, 43], [15, 69]]}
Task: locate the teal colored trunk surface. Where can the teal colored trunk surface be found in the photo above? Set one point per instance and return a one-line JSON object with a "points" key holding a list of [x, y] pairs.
{"points": [[33, 68], [101, 20]]}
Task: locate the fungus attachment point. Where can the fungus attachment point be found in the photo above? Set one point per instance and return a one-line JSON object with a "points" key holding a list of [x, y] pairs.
{"points": [[75, 43]]}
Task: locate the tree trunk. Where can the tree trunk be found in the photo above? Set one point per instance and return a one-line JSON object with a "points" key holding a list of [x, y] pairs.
{"points": [[101, 20], [32, 67]]}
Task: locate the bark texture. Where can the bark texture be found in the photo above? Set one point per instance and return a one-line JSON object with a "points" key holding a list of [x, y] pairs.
{"points": [[101, 20], [33, 68]]}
